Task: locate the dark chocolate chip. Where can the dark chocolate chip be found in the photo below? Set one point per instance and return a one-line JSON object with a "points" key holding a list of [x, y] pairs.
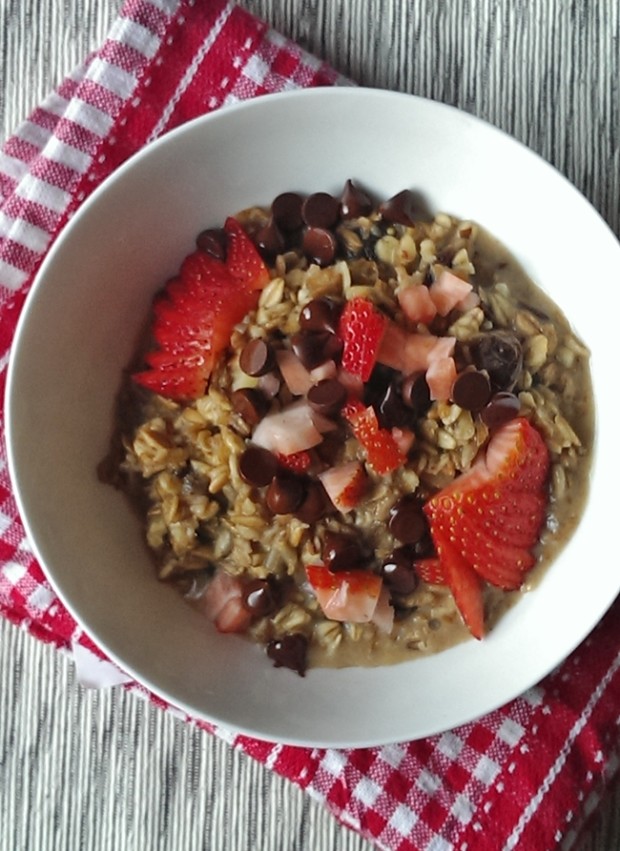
{"points": [[258, 597], [257, 466], [320, 210], [327, 397], [391, 409], [250, 404], [286, 211], [312, 348], [320, 314], [501, 355], [285, 493], [400, 208], [270, 240], [398, 571], [290, 651], [212, 241], [341, 552], [502, 407], [314, 505], [407, 521], [471, 389], [354, 202], [257, 358], [415, 392], [319, 245]]}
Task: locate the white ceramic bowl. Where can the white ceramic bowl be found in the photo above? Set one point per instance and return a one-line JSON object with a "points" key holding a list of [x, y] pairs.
{"points": [[78, 330]]}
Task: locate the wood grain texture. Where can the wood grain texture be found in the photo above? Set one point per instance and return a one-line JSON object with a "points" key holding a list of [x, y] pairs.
{"points": [[99, 770]]}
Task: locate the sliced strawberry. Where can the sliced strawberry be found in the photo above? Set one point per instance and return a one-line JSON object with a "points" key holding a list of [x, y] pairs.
{"points": [[361, 329], [297, 462], [430, 570], [345, 595], [242, 258], [447, 291], [466, 588], [382, 451], [222, 603], [495, 511], [345, 484], [195, 314]]}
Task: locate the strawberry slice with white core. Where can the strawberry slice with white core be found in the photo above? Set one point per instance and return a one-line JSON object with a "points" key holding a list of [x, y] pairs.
{"points": [[488, 520], [447, 291], [289, 430], [345, 484], [346, 595]]}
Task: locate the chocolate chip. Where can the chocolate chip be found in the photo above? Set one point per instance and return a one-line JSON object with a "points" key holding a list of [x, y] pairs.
{"points": [[289, 651], [257, 358], [320, 210], [313, 348], [212, 241], [501, 355], [314, 505], [250, 404], [471, 389], [257, 466], [270, 240], [391, 409], [320, 314], [415, 392], [285, 494], [407, 522], [327, 397], [354, 202], [319, 245], [398, 571], [341, 552], [400, 208], [286, 211], [502, 407], [258, 597]]}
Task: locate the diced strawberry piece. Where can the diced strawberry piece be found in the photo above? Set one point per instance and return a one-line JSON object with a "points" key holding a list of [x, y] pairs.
{"points": [[345, 595], [361, 329], [447, 290], [222, 603], [296, 377], [430, 570], [382, 451], [289, 430], [404, 438], [417, 304], [440, 377], [345, 484], [495, 511], [405, 351], [298, 462], [242, 258], [383, 616], [466, 588]]}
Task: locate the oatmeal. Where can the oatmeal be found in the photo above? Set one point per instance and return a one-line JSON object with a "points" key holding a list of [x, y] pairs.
{"points": [[355, 434]]}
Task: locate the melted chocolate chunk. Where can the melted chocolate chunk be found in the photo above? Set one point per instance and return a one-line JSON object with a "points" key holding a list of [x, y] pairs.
{"points": [[407, 521], [290, 651], [501, 355]]}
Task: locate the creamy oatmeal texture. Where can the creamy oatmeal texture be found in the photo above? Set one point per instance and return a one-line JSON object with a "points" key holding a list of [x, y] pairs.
{"points": [[374, 365]]}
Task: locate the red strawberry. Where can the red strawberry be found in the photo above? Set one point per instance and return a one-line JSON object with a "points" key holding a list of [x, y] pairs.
{"points": [[466, 587], [430, 570], [493, 513], [382, 452], [361, 329], [297, 462], [345, 484], [195, 314]]}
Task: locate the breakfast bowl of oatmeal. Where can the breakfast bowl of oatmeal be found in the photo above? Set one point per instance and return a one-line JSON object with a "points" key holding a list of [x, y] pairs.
{"points": [[314, 419]]}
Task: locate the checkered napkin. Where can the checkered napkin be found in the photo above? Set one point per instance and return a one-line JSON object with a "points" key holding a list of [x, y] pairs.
{"points": [[524, 776]]}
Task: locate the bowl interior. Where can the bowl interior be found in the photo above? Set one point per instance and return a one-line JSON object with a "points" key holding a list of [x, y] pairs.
{"points": [[79, 329]]}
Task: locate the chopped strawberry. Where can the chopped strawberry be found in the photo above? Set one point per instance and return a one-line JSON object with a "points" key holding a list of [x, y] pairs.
{"points": [[361, 329], [345, 595], [404, 350], [440, 377], [297, 462], [195, 314], [466, 587], [345, 484], [493, 513], [404, 438], [222, 603], [290, 430], [382, 451], [447, 291], [295, 375], [417, 304]]}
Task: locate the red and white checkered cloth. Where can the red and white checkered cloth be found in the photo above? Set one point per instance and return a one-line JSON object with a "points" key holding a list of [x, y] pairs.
{"points": [[527, 775]]}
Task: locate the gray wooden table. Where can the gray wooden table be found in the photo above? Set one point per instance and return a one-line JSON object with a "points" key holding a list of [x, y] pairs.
{"points": [[98, 770]]}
